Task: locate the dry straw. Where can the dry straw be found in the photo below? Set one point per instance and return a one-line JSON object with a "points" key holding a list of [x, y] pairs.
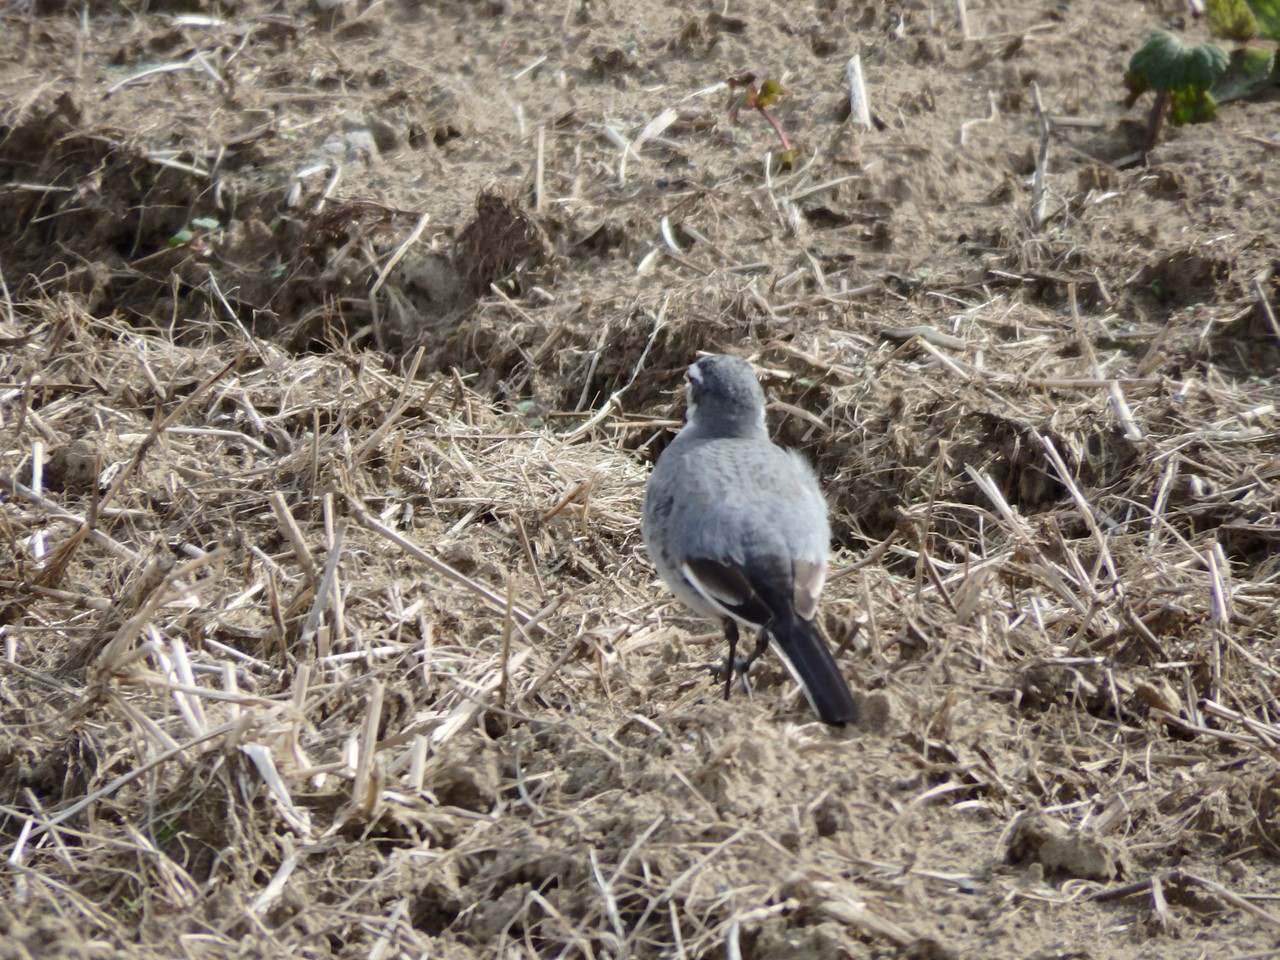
{"points": [[313, 599], [340, 655]]}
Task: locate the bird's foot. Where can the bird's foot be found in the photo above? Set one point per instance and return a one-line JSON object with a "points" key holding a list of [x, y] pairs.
{"points": [[741, 666]]}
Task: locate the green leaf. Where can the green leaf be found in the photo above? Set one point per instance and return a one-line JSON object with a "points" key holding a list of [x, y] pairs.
{"points": [[181, 238], [1192, 106], [771, 91], [1267, 13], [1231, 19], [1249, 72], [1165, 64], [206, 223], [1137, 84]]}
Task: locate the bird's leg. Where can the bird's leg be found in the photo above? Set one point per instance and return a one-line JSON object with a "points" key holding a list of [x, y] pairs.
{"points": [[741, 667], [762, 644], [730, 634]]}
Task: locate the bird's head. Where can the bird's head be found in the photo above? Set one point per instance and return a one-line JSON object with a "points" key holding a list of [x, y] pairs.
{"points": [[724, 398]]}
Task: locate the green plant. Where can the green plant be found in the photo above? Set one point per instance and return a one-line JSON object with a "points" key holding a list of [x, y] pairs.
{"points": [[1190, 82], [194, 236], [756, 91]]}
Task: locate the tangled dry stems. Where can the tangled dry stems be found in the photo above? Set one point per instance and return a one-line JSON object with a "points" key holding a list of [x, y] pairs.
{"points": [[262, 606], [322, 654]]}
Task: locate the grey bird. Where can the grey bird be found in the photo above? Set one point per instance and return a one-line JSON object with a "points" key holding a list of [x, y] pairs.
{"points": [[737, 527]]}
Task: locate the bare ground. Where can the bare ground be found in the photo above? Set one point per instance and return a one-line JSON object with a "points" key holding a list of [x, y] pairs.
{"points": [[336, 342]]}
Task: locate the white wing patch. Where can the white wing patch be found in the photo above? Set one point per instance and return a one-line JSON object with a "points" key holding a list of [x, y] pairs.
{"points": [[809, 579], [707, 592]]}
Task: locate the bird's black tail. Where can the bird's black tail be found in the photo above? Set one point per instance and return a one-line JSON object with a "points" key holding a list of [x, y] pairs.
{"points": [[815, 669]]}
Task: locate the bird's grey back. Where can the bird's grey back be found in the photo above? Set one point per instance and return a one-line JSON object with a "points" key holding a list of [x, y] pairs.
{"points": [[740, 498]]}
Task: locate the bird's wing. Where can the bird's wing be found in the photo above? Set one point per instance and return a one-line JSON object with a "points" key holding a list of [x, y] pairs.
{"points": [[809, 579], [723, 585]]}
